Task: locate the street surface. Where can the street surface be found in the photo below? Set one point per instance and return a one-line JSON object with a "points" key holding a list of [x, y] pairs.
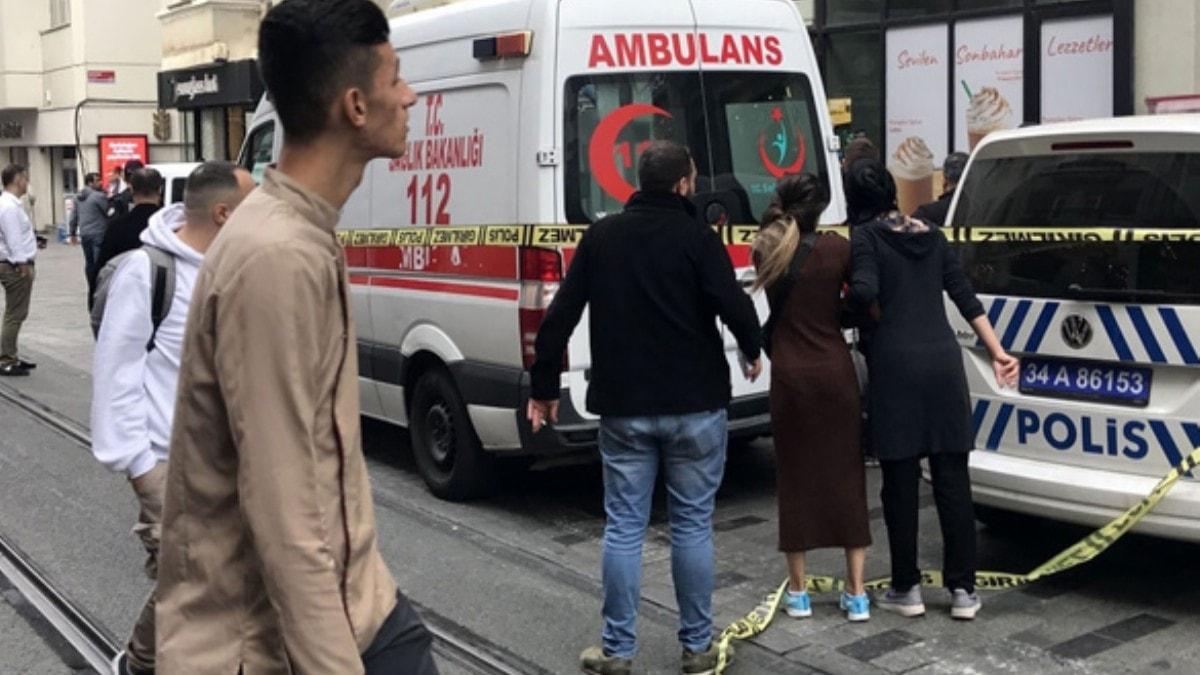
{"points": [[520, 571]]}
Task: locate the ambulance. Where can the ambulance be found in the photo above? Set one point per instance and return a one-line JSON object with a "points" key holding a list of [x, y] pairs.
{"points": [[531, 120], [1085, 249]]}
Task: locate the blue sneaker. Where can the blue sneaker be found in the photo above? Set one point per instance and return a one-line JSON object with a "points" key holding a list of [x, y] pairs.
{"points": [[798, 605], [857, 607]]}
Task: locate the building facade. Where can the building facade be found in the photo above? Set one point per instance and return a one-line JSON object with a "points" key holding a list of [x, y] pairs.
{"points": [[937, 75], [71, 73], [209, 71]]}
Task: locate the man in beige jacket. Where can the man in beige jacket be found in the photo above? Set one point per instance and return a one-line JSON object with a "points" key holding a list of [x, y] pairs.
{"points": [[269, 560]]}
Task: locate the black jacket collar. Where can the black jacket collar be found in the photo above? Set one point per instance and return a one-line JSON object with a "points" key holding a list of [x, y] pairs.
{"points": [[661, 200]]}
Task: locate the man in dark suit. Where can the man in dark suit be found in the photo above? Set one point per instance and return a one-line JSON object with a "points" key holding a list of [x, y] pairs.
{"points": [[935, 212]]}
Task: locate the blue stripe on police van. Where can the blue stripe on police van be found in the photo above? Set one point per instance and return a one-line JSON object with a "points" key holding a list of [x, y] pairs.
{"points": [[1114, 332], [1167, 441], [1015, 323], [1146, 333], [1039, 328], [994, 315], [1175, 327], [999, 426], [981, 408]]}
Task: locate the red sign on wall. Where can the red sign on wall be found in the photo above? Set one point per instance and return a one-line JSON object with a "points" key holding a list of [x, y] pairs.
{"points": [[102, 76], [117, 149]]}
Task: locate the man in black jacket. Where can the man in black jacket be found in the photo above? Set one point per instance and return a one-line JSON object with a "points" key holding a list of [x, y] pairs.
{"points": [[655, 279], [124, 232], [935, 212]]}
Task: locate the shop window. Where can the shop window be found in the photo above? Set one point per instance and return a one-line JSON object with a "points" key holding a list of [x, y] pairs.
{"points": [[899, 9], [854, 70], [841, 12], [257, 152]]}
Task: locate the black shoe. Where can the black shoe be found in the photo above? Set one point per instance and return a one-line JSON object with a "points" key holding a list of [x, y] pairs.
{"points": [[13, 369], [27, 365]]}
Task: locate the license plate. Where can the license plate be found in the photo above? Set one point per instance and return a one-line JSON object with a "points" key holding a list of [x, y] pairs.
{"points": [[1086, 381]]}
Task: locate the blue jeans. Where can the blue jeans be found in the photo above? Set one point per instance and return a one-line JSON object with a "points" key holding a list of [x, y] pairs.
{"points": [[692, 451]]}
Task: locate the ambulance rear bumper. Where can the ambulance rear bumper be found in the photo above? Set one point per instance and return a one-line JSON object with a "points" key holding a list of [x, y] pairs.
{"points": [[1081, 495]]}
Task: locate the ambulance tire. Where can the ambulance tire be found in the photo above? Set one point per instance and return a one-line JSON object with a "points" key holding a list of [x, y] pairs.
{"points": [[447, 450]]}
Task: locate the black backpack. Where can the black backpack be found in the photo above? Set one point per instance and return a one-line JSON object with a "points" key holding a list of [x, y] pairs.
{"points": [[162, 288]]}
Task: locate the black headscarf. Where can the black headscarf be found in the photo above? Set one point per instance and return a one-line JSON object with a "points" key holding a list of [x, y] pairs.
{"points": [[870, 191]]}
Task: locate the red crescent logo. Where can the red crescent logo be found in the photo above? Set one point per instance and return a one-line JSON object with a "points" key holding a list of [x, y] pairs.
{"points": [[781, 171], [603, 147]]}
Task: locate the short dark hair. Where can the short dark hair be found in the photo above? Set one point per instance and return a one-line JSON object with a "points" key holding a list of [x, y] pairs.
{"points": [[310, 50], [870, 191], [953, 167], [662, 165], [131, 167], [9, 175], [146, 181], [208, 184], [91, 178], [860, 148]]}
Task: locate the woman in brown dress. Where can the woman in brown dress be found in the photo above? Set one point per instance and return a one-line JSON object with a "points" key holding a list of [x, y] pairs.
{"points": [[815, 409]]}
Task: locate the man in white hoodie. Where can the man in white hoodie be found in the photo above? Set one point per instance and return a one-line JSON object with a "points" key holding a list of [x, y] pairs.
{"points": [[133, 384]]}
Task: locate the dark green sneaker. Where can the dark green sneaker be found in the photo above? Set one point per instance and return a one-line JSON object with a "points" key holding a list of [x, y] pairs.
{"points": [[594, 661], [705, 662]]}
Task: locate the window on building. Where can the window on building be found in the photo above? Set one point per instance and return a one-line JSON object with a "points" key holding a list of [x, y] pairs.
{"points": [[988, 4], [839, 12], [854, 70], [901, 9], [60, 13]]}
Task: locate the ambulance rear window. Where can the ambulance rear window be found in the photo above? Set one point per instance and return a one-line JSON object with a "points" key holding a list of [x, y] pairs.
{"points": [[1086, 189], [745, 130]]}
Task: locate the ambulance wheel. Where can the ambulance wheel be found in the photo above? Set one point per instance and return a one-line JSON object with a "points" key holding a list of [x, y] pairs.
{"points": [[448, 453]]}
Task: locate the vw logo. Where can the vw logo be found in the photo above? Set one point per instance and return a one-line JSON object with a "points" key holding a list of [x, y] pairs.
{"points": [[1076, 331]]}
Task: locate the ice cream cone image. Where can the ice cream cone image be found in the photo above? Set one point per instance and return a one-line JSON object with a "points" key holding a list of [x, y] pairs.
{"points": [[988, 111], [911, 166]]}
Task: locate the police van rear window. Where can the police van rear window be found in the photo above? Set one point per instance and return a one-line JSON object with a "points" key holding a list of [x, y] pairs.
{"points": [[745, 130], [1086, 189]]}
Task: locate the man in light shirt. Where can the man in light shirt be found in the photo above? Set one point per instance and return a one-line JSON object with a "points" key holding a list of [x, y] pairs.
{"points": [[18, 248]]}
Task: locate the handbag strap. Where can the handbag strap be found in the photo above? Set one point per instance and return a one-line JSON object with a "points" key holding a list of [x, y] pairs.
{"points": [[783, 288]]}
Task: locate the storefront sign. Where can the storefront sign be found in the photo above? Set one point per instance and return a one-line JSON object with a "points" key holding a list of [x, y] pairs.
{"points": [[116, 149], [989, 71], [102, 76], [1077, 68], [218, 85], [917, 68]]}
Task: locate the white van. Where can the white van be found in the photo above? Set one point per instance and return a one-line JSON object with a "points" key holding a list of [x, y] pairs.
{"points": [[1107, 326], [174, 176], [533, 112]]}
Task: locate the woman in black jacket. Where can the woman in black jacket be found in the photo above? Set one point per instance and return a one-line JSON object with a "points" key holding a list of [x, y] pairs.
{"points": [[918, 401]]}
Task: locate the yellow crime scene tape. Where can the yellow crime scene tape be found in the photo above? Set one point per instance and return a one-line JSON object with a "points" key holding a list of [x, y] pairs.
{"points": [[1086, 549], [562, 235]]}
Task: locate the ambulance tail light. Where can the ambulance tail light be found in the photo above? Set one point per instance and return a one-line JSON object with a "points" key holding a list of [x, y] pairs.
{"points": [[541, 273], [503, 46]]}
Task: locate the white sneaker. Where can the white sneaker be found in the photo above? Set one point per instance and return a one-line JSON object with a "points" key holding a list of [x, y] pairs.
{"points": [[963, 605]]}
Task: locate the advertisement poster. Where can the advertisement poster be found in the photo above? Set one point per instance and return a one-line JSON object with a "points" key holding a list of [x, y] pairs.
{"points": [[115, 150], [1077, 69], [989, 74], [917, 128]]}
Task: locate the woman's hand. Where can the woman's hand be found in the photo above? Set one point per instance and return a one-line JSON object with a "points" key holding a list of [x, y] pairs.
{"points": [[1007, 369]]}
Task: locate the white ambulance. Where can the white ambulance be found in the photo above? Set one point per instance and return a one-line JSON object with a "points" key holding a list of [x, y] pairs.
{"points": [[534, 112], [1107, 323]]}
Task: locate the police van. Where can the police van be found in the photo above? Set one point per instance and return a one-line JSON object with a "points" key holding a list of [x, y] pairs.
{"points": [[531, 120], [1084, 247]]}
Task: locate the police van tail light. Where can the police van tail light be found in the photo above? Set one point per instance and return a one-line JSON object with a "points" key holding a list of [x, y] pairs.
{"points": [[541, 272]]}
